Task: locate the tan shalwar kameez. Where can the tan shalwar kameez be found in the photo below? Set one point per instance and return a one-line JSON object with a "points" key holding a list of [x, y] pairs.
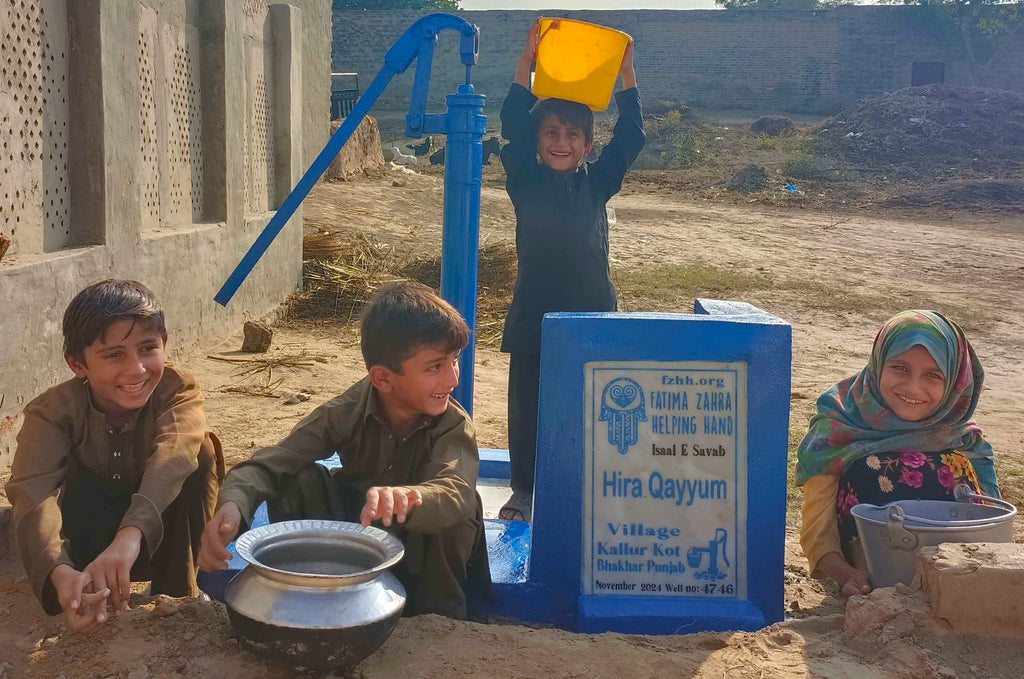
{"points": [[445, 550], [75, 481]]}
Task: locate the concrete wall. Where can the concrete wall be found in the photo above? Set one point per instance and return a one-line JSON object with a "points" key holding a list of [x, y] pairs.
{"points": [[149, 141], [797, 61]]}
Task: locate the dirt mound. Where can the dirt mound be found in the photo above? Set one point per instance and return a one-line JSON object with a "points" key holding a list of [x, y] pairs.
{"points": [[771, 126], [750, 178], [496, 278], [673, 141], [173, 638], [928, 127], [361, 154]]}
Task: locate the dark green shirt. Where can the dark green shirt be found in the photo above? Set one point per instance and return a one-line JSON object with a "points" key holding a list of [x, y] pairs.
{"points": [[439, 458]]}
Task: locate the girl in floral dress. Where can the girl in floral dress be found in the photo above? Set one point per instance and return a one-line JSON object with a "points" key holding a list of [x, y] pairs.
{"points": [[899, 429]]}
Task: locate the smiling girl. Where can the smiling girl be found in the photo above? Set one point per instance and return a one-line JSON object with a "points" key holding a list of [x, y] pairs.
{"points": [[899, 429]]}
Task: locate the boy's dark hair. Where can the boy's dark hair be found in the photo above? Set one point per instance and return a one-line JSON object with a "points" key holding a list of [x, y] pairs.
{"points": [[569, 112], [97, 307], [404, 317]]}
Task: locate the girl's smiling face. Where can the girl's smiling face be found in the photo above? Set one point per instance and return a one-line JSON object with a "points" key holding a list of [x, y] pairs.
{"points": [[912, 384]]}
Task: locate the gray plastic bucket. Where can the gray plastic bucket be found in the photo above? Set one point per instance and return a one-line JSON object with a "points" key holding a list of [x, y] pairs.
{"points": [[892, 534]]}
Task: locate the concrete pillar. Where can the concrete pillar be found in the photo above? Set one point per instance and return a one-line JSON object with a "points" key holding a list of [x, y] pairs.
{"points": [[224, 101], [120, 96], [286, 27], [85, 144], [213, 36]]}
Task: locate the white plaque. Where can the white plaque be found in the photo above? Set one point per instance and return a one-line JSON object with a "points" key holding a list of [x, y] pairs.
{"points": [[665, 485]]}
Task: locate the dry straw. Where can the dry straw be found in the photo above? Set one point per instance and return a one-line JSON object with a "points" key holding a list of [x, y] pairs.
{"points": [[342, 271]]}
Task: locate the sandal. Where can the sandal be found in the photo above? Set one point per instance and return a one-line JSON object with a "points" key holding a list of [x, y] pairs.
{"points": [[518, 508], [509, 514]]}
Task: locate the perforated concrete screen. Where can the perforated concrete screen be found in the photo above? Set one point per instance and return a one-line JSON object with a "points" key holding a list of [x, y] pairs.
{"points": [[34, 199], [150, 166], [259, 148], [254, 8], [184, 125], [170, 122]]}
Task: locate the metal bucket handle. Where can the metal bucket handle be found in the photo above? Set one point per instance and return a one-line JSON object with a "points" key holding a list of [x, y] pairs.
{"points": [[894, 535], [963, 493]]}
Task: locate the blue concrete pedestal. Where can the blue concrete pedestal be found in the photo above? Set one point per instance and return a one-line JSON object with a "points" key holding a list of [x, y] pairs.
{"points": [[646, 519], [655, 615], [494, 464]]}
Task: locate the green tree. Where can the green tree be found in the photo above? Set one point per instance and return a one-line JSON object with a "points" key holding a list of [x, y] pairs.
{"points": [[447, 5], [982, 27]]}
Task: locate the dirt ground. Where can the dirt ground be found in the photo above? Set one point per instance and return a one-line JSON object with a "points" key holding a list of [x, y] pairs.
{"points": [[832, 260]]}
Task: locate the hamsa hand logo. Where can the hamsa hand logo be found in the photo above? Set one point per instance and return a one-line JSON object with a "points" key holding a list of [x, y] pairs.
{"points": [[622, 406]]}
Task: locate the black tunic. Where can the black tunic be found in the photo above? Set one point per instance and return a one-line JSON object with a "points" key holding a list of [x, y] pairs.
{"points": [[561, 224]]}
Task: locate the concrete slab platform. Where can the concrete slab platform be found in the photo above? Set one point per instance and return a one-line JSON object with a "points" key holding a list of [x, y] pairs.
{"points": [[494, 493]]}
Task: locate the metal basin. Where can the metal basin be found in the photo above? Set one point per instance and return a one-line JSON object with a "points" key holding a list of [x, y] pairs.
{"points": [[316, 594]]}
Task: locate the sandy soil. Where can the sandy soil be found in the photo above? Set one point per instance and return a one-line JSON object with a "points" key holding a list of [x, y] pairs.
{"points": [[835, 275]]}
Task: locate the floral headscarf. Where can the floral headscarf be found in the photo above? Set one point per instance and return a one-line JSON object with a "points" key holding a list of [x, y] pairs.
{"points": [[853, 419]]}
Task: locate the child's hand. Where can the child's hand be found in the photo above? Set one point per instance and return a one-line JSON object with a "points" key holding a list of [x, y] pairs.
{"points": [[626, 69], [220, 530], [532, 38], [856, 583], [82, 608], [529, 53], [850, 580], [383, 502], [112, 568]]}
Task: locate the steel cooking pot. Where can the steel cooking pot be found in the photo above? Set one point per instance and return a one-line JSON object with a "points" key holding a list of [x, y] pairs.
{"points": [[316, 594]]}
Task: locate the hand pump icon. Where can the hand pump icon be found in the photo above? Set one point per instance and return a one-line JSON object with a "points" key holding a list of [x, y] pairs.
{"points": [[695, 555]]}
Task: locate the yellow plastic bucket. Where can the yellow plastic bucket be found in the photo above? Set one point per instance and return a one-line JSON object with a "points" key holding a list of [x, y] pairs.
{"points": [[578, 61]]}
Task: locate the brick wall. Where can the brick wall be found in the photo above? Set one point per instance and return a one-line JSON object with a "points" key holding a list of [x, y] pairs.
{"points": [[778, 60]]}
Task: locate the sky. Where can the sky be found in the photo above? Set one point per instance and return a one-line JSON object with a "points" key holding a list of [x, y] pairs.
{"points": [[587, 4]]}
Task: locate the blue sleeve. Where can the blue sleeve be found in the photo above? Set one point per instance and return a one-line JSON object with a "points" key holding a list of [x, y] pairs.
{"points": [[627, 142], [519, 155]]}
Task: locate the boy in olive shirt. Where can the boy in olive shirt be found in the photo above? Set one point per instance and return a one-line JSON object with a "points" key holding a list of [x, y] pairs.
{"points": [[408, 451], [115, 475]]}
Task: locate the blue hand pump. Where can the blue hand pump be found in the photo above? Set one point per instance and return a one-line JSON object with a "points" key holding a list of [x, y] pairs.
{"points": [[464, 124]]}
